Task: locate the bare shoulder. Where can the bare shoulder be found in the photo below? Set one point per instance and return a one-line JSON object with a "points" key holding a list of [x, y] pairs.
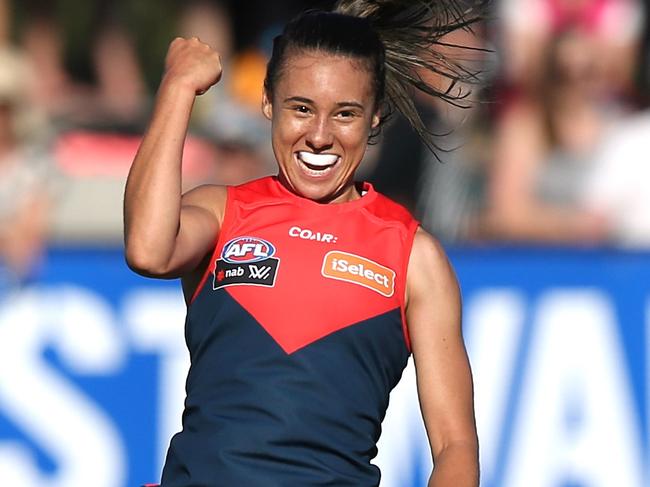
{"points": [[427, 248], [208, 197], [429, 271]]}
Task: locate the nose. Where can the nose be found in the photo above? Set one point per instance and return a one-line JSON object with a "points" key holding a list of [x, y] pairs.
{"points": [[319, 136]]}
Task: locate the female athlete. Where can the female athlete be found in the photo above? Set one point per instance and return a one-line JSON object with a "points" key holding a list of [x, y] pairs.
{"points": [[306, 291]]}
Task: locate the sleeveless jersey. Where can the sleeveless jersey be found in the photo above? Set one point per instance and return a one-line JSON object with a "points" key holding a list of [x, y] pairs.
{"points": [[296, 336]]}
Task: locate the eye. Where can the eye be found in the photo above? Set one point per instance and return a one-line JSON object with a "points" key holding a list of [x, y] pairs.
{"points": [[346, 114], [302, 109]]}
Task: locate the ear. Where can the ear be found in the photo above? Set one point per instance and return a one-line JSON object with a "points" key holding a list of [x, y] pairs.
{"points": [[267, 106], [376, 119]]}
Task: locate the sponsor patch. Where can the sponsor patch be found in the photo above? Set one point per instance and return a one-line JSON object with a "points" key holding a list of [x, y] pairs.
{"points": [[359, 270], [246, 260]]}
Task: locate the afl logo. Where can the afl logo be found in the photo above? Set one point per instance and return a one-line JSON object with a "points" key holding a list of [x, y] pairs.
{"points": [[247, 249]]}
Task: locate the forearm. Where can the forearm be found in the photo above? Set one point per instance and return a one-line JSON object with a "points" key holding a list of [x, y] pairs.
{"points": [[152, 199], [456, 466]]}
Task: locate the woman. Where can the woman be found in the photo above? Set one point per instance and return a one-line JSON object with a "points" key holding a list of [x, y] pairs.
{"points": [[546, 144], [300, 287], [27, 176]]}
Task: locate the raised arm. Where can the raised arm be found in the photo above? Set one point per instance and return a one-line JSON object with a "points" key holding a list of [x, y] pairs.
{"points": [[166, 234], [442, 368]]}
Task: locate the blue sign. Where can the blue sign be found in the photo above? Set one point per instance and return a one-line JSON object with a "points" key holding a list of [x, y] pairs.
{"points": [[93, 364]]}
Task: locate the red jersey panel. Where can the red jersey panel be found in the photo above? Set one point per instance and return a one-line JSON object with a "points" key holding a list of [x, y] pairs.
{"points": [[303, 269]]}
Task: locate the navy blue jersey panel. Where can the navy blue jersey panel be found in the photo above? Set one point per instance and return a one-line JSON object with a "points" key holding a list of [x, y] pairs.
{"points": [[255, 415]]}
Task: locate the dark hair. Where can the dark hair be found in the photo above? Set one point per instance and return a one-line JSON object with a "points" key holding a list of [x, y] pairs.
{"points": [[396, 39], [333, 33]]}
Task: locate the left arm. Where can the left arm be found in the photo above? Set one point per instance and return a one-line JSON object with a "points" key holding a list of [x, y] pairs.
{"points": [[444, 379]]}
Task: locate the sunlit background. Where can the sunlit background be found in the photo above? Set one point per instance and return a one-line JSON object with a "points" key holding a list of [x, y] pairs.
{"points": [[540, 191]]}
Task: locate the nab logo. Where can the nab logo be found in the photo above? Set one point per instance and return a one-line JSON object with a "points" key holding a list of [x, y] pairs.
{"points": [[246, 261], [359, 270], [247, 249]]}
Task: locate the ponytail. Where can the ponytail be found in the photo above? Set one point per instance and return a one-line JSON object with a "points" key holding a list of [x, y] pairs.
{"points": [[411, 32]]}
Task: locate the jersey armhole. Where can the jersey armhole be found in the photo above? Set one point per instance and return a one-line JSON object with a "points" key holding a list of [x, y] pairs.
{"points": [[217, 244], [412, 228]]}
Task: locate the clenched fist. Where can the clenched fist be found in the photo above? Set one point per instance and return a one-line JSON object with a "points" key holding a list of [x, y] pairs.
{"points": [[193, 64]]}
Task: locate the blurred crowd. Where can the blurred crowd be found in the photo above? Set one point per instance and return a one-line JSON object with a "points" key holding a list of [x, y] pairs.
{"points": [[547, 147]]}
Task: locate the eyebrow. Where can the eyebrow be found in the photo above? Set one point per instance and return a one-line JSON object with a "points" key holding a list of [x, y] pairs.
{"points": [[340, 104]]}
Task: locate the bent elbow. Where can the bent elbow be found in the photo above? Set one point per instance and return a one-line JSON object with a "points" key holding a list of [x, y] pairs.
{"points": [[144, 263]]}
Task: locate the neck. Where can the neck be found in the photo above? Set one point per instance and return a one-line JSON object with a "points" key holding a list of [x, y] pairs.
{"points": [[347, 193]]}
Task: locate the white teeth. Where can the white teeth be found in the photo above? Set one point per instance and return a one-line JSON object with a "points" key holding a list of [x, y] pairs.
{"points": [[320, 160]]}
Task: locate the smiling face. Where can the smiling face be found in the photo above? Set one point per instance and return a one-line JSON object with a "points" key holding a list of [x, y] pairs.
{"points": [[322, 110]]}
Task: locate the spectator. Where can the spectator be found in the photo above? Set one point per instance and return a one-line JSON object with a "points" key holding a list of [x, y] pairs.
{"points": [[616, 186], [43, 44], [529, 27], [107, 89], [120, 95], [25, 176], [550, 131]]}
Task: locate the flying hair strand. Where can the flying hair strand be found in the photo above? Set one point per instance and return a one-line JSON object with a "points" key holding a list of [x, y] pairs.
{"points": [[412, 32]]}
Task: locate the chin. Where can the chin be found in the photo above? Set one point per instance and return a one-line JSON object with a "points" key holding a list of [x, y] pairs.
{"points": [[314, 192], [320, 186]]}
